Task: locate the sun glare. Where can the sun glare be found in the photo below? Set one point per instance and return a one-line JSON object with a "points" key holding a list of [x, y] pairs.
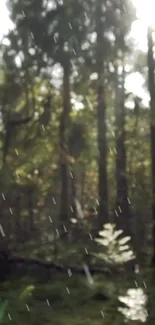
{"points": [[145, 11], [6, 23]]}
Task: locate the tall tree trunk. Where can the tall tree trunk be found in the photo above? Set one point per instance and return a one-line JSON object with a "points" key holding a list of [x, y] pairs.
{"points": [[101, 120], [83, 181], [122, 204], [26, 79], [64, 126], [18, 217], [73, 193], [31, 225], [151, 86]]}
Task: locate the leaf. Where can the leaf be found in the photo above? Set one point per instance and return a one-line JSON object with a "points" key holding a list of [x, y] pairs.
{"points": [[27, 291], [117, 233], [124, 240], [123, 248], [103, 242], [3, 307], [115, 250], [109, 226]]}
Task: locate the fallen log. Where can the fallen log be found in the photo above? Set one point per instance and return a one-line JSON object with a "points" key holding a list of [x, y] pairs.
{"points": [[15, 260]]}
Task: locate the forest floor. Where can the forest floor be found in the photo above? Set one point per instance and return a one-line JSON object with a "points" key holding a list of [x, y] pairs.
{"points": [[63, 301]]}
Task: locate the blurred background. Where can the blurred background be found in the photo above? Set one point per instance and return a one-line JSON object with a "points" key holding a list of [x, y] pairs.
{"points": [[77, 161]]}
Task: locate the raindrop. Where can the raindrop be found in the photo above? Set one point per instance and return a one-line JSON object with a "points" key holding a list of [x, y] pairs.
{"points": [[70, 26], [50, 219], [53, 200], [55, 40], [136, 284], [88, 274], [57, 231], [16, 151], [71, 175], [86, 15], [97, 202], [9, 316], [144, 284], [28, 309], [69, 272], [64, 228], [89, 103], [23, 13], [95, 210], [11, 211], [71, 209], [102, 313], [48, 303], [86, 250], [119, 209], [129, 201], [68, 291], [2, 231], [3, 196]]}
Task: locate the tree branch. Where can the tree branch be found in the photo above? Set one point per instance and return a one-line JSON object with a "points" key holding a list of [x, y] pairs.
{"points": [[14, 260], [24, 120]]}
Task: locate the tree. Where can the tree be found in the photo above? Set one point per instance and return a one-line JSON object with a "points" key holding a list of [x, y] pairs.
{"points": [[59, 45], [101, 118], [122, 204], [151, 86]]}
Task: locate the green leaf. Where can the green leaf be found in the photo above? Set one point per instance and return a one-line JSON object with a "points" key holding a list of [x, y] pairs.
{"points": [[3, 307], [27, 292], [114, 250]]}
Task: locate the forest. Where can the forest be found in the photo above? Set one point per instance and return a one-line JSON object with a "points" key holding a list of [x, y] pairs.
{"points": [[77, 165]]}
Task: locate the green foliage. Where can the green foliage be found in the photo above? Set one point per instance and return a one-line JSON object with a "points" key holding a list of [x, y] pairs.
{"points": [[135, 301], [50, 303], [88, 35], [115, 249], [3, 307], [27, 292]]}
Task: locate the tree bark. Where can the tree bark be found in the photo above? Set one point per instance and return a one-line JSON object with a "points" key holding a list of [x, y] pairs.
{"points": [[30, 194], [122, 204], [151, 86], [101, 120], [18, 217], [64, 127]]}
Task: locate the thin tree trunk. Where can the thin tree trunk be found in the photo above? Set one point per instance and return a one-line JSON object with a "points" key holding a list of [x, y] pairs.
{"points": [[64, 166], [73, 194], [101, 120], [122, 204], [18, 217], [30, 210], [83, 179], [151, 86], [26, 76]]}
